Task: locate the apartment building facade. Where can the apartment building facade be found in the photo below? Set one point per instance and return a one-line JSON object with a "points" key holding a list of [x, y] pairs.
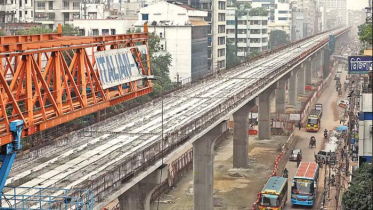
{"points": [[16, 11], [248, 33], [183, 33]]}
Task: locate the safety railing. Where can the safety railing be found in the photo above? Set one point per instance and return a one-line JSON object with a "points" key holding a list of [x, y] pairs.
{"points": [[46, 198]]}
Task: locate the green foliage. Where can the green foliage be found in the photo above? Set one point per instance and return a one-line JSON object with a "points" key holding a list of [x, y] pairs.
{"points": [[2, 33], [242, 8], [34, 30], [253, 54], [67, 30], [278, 38], [232, 58], [133, 30], [259, 11], [365, 33], [359, 195], [160, 63]]}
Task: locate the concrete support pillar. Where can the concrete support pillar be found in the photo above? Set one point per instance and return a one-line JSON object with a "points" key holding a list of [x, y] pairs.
{"points": [[203, 167], [293, 88], [280, 96], [315, 65], [301, 79], [138, 196], [241, 136], [264, 112], [308, 72], [326, 63]]}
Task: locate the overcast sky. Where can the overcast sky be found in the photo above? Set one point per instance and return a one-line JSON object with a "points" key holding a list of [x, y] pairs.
{"points": [[357, 4]]}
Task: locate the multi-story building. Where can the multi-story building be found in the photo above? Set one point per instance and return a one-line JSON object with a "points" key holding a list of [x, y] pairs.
{"points": [[216, 33], [336, 12], [51, 13], [248, 33], [16, 11], [98, 27], [183, 33], [365, 128], [304, 11]]}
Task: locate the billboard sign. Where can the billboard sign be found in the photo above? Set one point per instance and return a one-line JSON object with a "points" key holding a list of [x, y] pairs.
{"points": [[359, 64], [117, 66]]}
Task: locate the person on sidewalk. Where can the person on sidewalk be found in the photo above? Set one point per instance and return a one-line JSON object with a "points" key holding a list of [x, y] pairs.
{"points": [[299, 124], [299, 158], [342, 154]]}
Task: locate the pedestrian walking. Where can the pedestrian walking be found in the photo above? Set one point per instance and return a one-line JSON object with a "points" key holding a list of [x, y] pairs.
{"points": [[299, 124], [342, 154], [299, 158]]}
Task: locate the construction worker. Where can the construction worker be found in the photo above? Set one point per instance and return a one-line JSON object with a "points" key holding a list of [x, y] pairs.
{"points": [[299, 158]]}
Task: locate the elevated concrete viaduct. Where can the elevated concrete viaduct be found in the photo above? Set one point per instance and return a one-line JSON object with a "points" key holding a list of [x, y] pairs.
{"points": [[127, 166]]}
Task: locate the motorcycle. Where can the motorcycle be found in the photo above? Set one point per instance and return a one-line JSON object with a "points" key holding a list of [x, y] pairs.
{"points": [[325, 135], [286, 174]]}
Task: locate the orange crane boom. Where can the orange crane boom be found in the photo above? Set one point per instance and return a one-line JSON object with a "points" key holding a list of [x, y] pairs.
{"points": [[48, 79]]}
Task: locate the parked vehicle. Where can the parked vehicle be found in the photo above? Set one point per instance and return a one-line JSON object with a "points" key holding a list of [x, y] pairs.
{"points": [[294, 153]]}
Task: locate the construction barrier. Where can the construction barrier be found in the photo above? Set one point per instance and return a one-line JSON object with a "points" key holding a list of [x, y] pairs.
{"points": [[253, 132]]}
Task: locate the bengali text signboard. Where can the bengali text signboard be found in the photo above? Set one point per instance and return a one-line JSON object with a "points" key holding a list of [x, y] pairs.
{"points": [[359, 64], [117, 66]]}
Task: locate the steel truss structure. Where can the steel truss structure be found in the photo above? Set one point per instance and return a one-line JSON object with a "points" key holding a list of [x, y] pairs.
{"points": [[48, 79]]}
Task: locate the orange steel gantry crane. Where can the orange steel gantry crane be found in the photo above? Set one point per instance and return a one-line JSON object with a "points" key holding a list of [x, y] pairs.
{"points": [[48, 79]]}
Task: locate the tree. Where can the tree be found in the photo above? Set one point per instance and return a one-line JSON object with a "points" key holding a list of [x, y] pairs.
{"points": [[35, 30], [133, 30], [365, 33], [2, 33], [359, 195], [160, 65], [253, 54], [69, 30], [259, 11], [232, 58], [278, 38], [242, 8]]}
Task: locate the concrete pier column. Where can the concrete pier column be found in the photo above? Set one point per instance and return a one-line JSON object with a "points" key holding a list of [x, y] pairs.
{"points": [[280, 96], [308, 72], [203, 167], [138, 196], [241, 136], [264, 127], [293, 88], [326, 62], [315, 65], [301, 79]]}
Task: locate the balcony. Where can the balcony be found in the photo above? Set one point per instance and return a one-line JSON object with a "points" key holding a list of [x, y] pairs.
{"points": [[258, 26], [243, 36], [257, 35], [259, 44]]}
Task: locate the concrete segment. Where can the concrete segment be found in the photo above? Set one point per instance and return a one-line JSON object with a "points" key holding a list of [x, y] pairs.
{"points": [[138, 196], [241, 136], [326, 62], [264, 113], [293, 88], [281, 93], [315, 65], [301, 79], [203, 166], [308, 72]]}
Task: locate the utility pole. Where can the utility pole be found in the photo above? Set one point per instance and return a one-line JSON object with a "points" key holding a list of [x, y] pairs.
{"points": [[85, 8]]}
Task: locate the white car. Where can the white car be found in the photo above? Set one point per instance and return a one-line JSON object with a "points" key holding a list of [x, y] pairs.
{"points": [[294, 153], [343, 103]]}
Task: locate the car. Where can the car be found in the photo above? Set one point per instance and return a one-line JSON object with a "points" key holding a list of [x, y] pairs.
{"points": [[294, 153], [343, 103]]}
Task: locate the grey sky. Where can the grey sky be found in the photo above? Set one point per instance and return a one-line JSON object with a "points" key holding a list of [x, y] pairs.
{"points": [[357, 4]]}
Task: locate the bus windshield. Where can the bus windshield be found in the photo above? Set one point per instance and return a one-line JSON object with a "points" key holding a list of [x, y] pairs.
{"points": [[269, 200], [312, 121], [303, 186]]}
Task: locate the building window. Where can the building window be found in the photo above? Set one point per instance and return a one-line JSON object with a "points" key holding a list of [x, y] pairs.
{"points": [[160, 35], [105, 31], [221, 17], [230, 31], [113, 31], [66, 5], [241, 40], [76, 5], [264, 31], [40, 5], [32, 13], [95, 32], [25, 12], [221, 52], [221, 29], [231, 22], [241, 31], [162, 47], [20, 13], [282, 18], [81, 32], [282, 12], [242, 22], [205, 6], [221, 40], [221, 5], [221, 64], [264, 22], [145, 16], [50, 5], [20, 4]]}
